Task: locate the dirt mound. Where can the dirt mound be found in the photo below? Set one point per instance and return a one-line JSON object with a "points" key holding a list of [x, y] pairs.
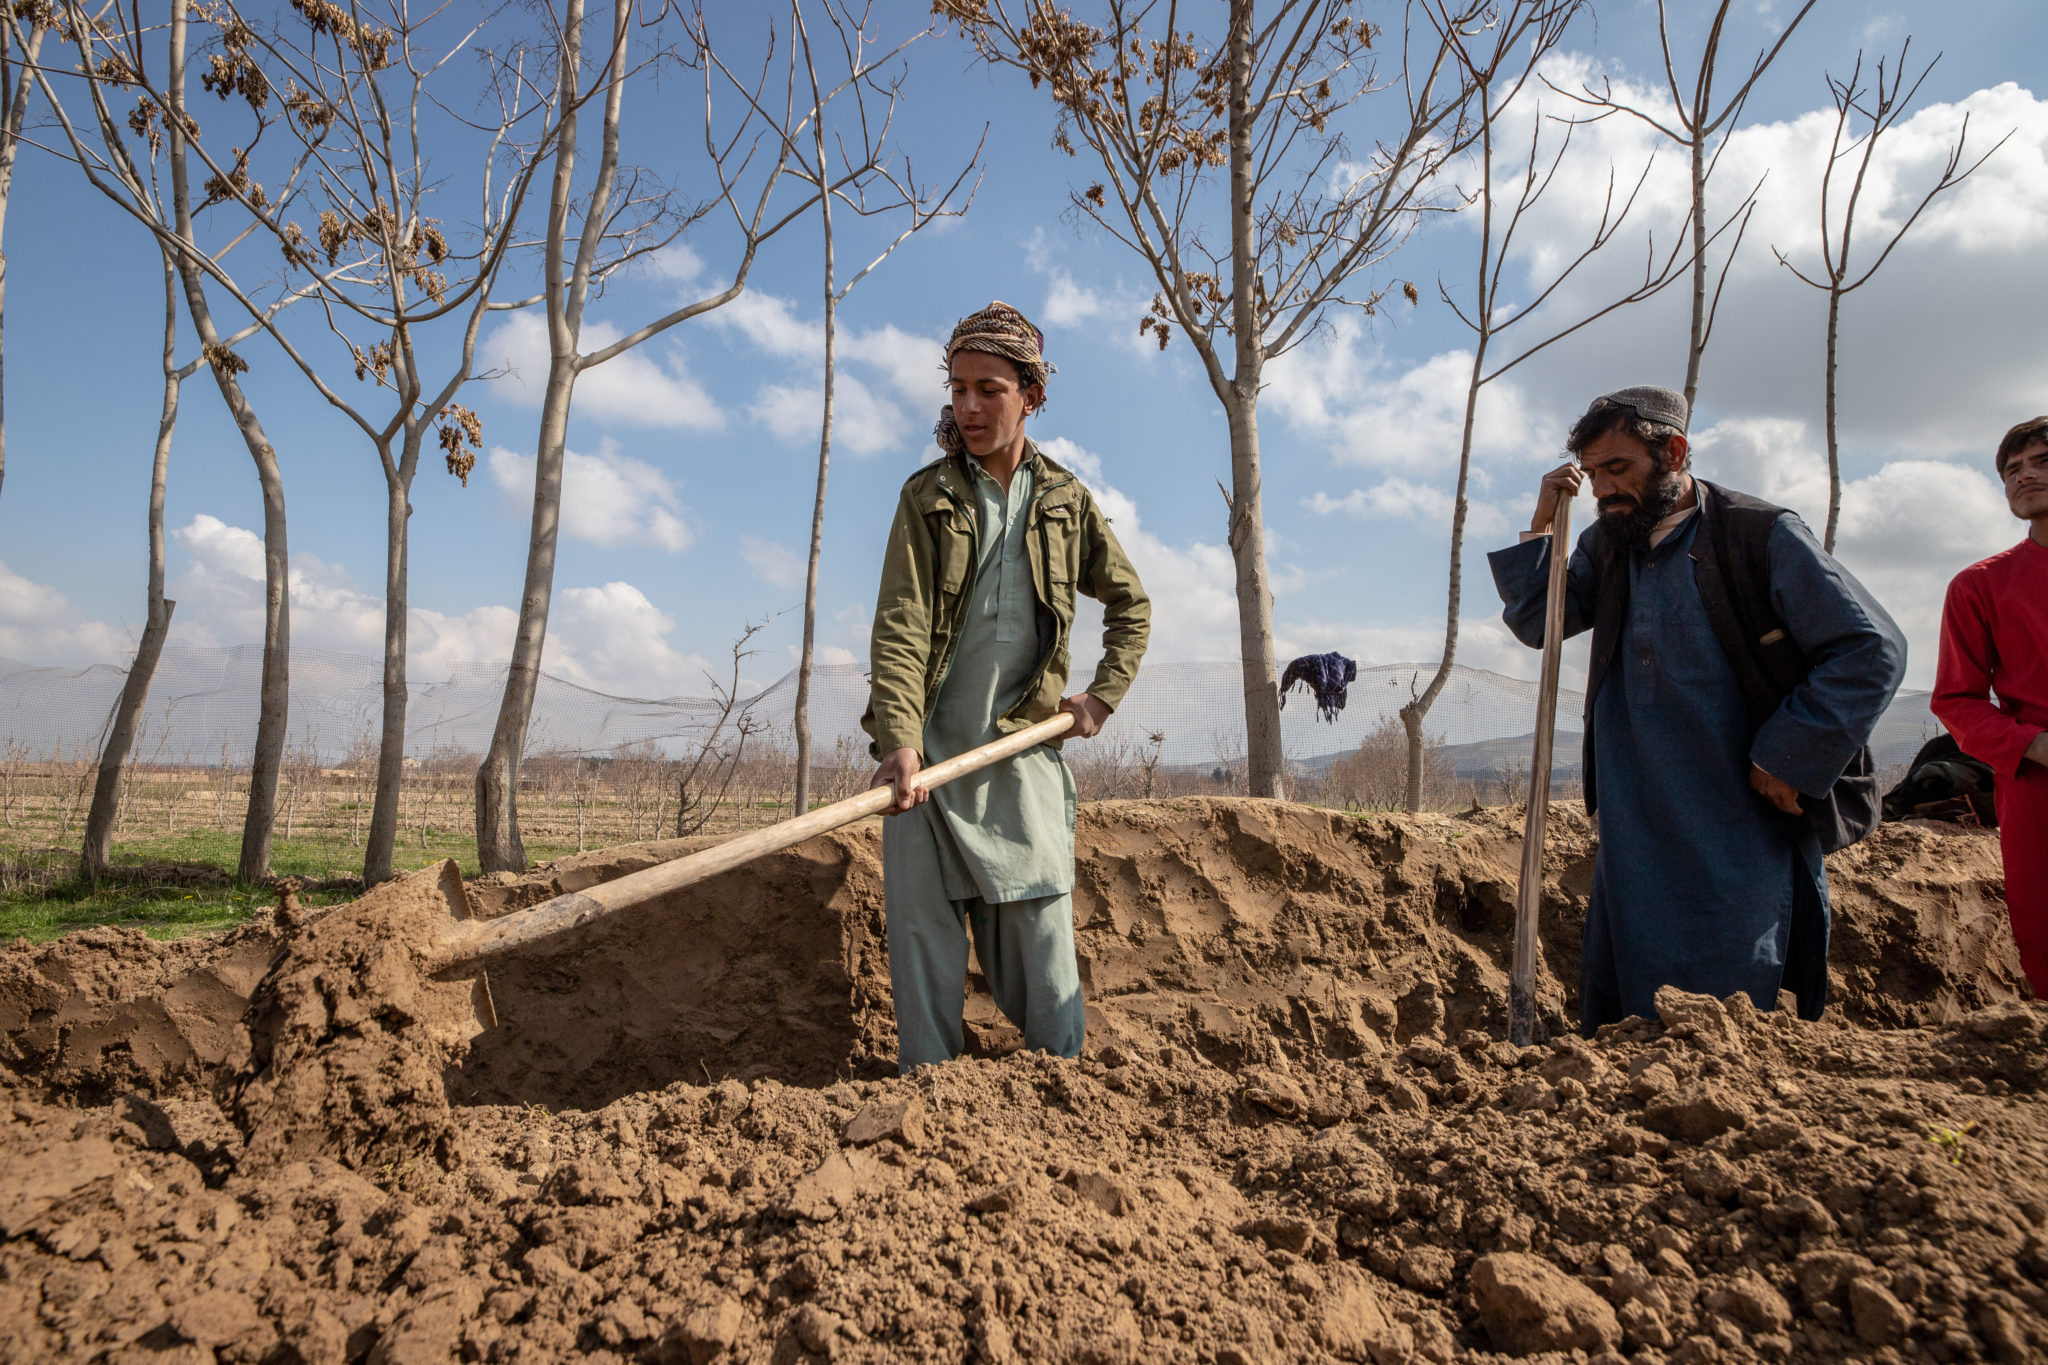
{"points": [[349, 1041], [108, 1010], [1296, 1134], [1227, 927]]}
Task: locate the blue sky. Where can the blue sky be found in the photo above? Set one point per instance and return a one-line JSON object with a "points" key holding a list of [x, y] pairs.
{"points": [[689, 500]]}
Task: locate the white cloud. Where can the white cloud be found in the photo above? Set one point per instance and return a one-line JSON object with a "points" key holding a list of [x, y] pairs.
{"points": [[864, 421], [675, 263], [1193, 588], [219, 592], [822, 655], [909, 362], [40, 625], [610, 638], [1421, 504], [633, 389], [437, 643], [1936, 356], [771, 324], [1340, 388], [778, 565], [607, 498], [219, 547], [1068, 304]]}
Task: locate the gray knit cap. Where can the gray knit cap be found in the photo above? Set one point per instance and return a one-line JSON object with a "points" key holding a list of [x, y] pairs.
{"points": [[1666, 407]]}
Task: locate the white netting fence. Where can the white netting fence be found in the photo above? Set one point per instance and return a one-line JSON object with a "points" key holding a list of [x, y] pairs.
{"points": [[203, 703]]}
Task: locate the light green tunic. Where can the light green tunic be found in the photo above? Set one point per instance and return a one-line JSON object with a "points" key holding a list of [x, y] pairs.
{"points": [[1005, 833]]}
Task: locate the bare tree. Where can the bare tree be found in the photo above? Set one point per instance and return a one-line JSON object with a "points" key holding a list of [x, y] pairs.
{"points": [[817, 169], [702, 785], [99, 820], [1695, 122], [14, 87], [1163, 113], [1852, 100], [1489, 321], [112, 61], [587, 241], [352, 97]]}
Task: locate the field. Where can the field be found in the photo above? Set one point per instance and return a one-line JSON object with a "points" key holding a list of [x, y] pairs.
{"points": [[177, 837]]}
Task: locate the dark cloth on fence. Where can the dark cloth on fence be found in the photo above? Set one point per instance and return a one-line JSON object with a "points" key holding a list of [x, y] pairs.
{"points": [[1329, 676]]}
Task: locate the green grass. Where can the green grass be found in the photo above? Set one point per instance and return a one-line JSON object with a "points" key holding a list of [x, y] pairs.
{"points": [[169, 886]]}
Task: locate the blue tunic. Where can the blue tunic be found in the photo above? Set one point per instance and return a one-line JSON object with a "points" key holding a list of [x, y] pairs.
{"points": [[1697, 876]]}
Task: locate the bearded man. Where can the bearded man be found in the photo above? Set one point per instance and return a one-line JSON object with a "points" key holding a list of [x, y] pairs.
{"points": [[1737, 671], [989, 546], [1994, 639]]}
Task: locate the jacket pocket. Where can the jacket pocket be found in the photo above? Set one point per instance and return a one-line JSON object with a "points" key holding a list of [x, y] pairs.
{"points": [[952, 548]]}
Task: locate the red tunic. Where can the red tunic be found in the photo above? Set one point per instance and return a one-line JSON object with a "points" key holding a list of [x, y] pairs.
{"points": [[1994, 639]]}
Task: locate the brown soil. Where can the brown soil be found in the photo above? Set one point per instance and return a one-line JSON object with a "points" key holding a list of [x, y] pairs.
{"points": [[1296, 1134]]}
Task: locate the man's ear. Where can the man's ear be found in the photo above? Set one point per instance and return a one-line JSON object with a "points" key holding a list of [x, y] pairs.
{"points": [[1677, 453], [1034, 399]]}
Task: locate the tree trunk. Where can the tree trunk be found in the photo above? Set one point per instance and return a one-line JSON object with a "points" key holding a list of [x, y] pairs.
{"points": [[1834, 450], [1412, 714], [803, 669], [99, 821], [391, 743], [273, 710], [1696, 345], [802, 802], [1483, 298], [498, 845], [1264, 756], [273, 716]]}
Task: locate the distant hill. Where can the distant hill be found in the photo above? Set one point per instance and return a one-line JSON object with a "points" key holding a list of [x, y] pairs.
{"points": [[1486, 758], [1904, 727]]}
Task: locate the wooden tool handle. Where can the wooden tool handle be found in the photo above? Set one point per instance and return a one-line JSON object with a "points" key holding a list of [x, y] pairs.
{"points": [[1529, 894], [473, 940]]}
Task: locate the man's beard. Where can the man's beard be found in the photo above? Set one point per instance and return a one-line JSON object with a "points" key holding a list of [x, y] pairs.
{"points": [[1631, 522]]}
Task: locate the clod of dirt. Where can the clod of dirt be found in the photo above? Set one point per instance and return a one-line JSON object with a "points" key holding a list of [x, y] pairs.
{"points": [[103, 1011], [349, 1041], [1529, 1305]]}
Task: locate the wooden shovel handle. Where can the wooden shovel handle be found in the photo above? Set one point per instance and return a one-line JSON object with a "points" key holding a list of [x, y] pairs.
{"points": [[473, 940], [1529, 894]]}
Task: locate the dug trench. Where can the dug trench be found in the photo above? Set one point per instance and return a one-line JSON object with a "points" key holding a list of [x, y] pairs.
{"points": [[1296, 1133]]}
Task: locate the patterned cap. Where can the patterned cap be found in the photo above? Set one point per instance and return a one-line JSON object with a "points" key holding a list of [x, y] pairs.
{"points": [[1000, 330], [1666, 407]]}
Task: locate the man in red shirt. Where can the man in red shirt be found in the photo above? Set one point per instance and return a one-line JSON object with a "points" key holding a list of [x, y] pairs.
{"points": [[1994, 638]]}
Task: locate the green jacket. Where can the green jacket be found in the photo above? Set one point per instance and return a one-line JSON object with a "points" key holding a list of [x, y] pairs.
{"points": [[926, 581]]}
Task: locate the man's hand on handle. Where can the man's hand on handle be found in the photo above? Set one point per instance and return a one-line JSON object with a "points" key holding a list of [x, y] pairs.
{"points": [[1561, 482], [899, 770], [1090, 715]]}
